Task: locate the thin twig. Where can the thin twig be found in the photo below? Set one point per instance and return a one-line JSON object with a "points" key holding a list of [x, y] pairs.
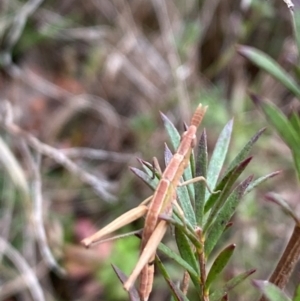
{"points": [[96, 154], [25, 270], [18, 284], [8, 195], [37, 211], [73, 102], [287, 262], [100, 186]]}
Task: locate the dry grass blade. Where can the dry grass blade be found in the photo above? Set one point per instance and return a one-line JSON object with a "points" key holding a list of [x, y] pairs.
{"points": [[37, 212], [96, 154], [13, 168], [19, 283], [23, 267], [101, 187]]}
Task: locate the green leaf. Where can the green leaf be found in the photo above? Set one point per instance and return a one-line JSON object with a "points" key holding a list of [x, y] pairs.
{"points": [[279, 121], [296, 23], [242, 155], [219, 264], [265, 62], [296, 157], [297, 294], [286, 208], [176, 292], [232, 283], [133, 293], [187, 254], [201, 170], [150, 169], [184, 227], [218, 156], [234, 167], [217, 200], [283, 127], [260, 180], [172, 255], [171, 130], [185, 203], [189, 173], [224, 216], [152, 183], [271, 291], [167, 155], [295, 121]]}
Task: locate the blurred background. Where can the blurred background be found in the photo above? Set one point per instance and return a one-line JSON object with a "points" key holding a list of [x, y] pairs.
{"points": [[82, 84]]}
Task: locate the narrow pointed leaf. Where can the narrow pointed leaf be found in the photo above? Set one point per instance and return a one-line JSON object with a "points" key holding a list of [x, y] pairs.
{"points": [[176, 292], [279, 121], [286, 208], [224, 215], [187, 253], [188, 174], [296, 23], [184, 228], [201, 170], [296, 156], [265, 62], [295, 122], [167, 155], [171, 130], [219, 264], [271, 291], [232, 283], [217, 200], [260, 180], [152, 183], [283, 127], [133, 294], [150, 170], [172, 255], [242, 155], [185, 203], [218, 156]]}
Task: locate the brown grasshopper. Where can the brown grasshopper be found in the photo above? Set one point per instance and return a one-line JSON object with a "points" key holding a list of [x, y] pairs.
{"points": [[161, 202]]}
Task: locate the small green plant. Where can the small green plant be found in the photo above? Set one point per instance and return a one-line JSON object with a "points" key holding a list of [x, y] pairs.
{"points": [[206, 215]]}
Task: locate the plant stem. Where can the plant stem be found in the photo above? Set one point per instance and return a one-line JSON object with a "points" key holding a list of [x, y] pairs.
{"points": [[287, 261]]}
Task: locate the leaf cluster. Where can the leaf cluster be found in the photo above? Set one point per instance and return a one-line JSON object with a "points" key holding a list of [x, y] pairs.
{"points": [[288, 128], [206, 214]]}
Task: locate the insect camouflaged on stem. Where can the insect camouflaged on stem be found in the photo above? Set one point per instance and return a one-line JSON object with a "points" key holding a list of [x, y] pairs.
{"points": [[161, 202], [163, 196]]}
